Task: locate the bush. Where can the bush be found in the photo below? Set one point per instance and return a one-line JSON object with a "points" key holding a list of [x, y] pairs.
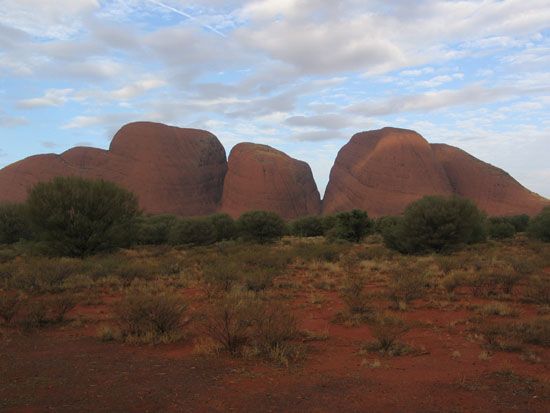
{"points": [[75, 216], [387, 330], [539, 227], [261, 226], [520, 222], [224, 227], [193, 231], [307, 227], [155, 229], [436, 223], [149, 315], [240, 321], [352, 226], [500, 229], [14, 224]]}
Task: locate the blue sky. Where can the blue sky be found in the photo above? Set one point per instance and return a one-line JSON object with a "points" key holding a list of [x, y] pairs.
{"points": [[300, 75]]}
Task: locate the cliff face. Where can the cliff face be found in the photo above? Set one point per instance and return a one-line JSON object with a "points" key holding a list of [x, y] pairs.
{"points": [[382, 171], [262, 178], [171, 170], [491, 188]]}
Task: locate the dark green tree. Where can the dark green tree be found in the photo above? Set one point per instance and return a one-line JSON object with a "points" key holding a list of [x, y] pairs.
{"points": [[261, 226], [539, 227], [74, 216], [352, 226], [438, 224], [307, 227], [14, 223]]}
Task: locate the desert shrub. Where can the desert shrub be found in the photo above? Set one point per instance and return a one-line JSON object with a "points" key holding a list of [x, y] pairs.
{"points": [[155, 229], [273, 326], [496, 309], [533, 332], [221, 273], [319, 251], [228, 321], [241, 323], [351, 226], [193, 231], [520, 222], [354, 296], [307, 227], [328, 222], [224, 226], [14, 223], [500, 228], [261, 226], [150, 315], [435, 223], [381, 224], [33, 314], [387, 330], [58, 306], [453, 279], [36, 275], [75, 216], [510, 336], [538, 290], [391, 229], [259, 279], [407, 283], [539, 227], [9, 304]]}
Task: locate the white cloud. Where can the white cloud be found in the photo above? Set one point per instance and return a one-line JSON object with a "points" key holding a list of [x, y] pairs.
{"points": [[52, 97], [51, 19]]}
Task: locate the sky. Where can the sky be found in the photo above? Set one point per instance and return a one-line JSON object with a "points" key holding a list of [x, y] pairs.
{"points": [[300, 75]]}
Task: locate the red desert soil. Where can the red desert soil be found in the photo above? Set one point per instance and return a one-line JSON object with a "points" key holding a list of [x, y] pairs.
{"points": [[67, 369]]}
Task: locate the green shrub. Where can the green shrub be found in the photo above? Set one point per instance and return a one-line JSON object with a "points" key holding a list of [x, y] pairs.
{"points": [[14, 223], [193, 231], [224, 226], [155, 229], [261, 226], [149, 315], [318, 251], [539, 227], [308, 227], [352, 226], [437, 224], [500, 229], [328, 222], [75, 216], [520, 222]]}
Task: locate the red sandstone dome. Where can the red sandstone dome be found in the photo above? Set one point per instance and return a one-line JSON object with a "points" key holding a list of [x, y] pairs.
{"points": [[382, 171], [262, 178], [171, 170], [491, 188]]}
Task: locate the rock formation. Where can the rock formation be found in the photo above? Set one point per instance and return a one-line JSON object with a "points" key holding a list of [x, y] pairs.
{"points": [[171, 170], [382, 171], [262, 178], [491, 188]]}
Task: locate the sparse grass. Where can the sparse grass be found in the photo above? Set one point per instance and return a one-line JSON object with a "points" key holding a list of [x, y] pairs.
{"points": [[512, 336], [9, 305], [496, 309], [150, 315], [407, 283], [538, 290], [387, 330]]}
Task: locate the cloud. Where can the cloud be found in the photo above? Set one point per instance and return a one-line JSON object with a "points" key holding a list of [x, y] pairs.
{"points": [[50, 19], [328, 121], [52, 97], [429, 101], [317, 135], [8, 121]]}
